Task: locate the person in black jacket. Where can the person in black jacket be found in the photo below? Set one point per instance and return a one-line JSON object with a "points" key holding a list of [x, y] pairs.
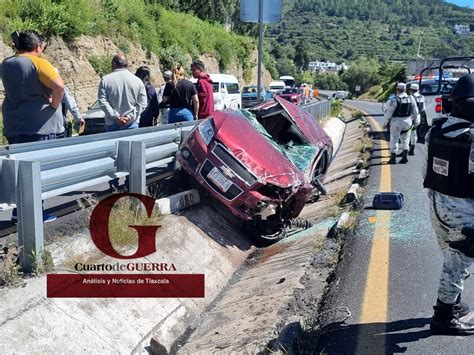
{"points": [[449, 176], [150, 114]]}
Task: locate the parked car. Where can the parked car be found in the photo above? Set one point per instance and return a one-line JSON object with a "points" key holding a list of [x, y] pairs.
{"points": [[341, 95], [263, 164], [294, 95], [94, 119], [249, 95], [288, 80], [276, 87], [226, 92]]}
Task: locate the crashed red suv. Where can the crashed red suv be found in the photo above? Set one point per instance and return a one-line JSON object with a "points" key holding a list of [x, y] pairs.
{"points": [[263, 164], [294, 95]]}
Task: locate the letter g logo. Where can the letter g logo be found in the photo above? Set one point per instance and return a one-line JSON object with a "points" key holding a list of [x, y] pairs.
{"points": [[99, 227]]}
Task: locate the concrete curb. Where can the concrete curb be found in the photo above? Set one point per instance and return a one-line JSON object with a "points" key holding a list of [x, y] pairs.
{"points": [[335, 129], [341, 223], [179, 201], [352, 197]]}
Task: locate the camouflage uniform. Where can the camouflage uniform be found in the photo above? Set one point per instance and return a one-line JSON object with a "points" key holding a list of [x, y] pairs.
{"points": [[448, 216]]}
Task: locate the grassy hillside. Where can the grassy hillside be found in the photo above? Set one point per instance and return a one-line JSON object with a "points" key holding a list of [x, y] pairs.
{"points": [[341, 30], [171, 35]]}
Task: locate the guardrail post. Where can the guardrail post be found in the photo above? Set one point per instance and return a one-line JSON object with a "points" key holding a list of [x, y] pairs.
{"points": [[138, 168], [9, 180], [123, 156], [30, 214]]}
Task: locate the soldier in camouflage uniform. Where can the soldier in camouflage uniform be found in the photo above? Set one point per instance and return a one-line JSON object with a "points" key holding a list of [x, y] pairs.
{"points": [[449, 176]]}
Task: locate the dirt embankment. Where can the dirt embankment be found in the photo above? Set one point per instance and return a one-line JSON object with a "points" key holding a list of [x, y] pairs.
{"points": [[72, 61]]}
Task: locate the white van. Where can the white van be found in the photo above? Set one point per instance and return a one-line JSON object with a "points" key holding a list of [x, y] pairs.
{"points": [[276, 87], [226, 92]]}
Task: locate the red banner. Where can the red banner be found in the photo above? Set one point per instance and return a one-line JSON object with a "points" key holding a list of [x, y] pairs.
{"points": [[125, 285]]}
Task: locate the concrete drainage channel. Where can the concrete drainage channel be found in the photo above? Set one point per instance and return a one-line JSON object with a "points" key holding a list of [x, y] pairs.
{"points": [[256, 299], [273, 299]]}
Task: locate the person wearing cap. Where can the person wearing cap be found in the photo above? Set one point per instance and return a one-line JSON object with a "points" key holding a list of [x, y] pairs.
{"points": [[150, 114], [401, 113], [204, 88], [164, 107], [448, 170], [412, 90], [33, 92]]}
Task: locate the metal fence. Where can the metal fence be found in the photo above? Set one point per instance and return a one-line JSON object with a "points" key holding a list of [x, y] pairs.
{"points": [[319, 109], [32, 172]]}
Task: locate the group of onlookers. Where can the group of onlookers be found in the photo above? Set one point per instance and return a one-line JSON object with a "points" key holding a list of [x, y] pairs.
{"points": [[36, 99], [127, 99]]}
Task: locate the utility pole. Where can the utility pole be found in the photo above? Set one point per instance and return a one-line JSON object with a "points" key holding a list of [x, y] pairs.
{"points": [[261, 12], [419, 46], [260, 49]]}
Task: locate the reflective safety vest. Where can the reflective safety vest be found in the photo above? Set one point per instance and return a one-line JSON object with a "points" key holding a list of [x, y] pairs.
{"points": [[450, 169], [403, 108]]}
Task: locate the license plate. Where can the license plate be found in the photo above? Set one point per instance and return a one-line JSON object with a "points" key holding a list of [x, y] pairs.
{"points": [[220, 180]]}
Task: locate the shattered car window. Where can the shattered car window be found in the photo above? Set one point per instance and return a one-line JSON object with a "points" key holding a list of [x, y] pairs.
{"points": [[299, 154]]}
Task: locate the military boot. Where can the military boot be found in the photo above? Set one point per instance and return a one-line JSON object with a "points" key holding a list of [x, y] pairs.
{"points": [[460, 309], [404, 157], [392, 160], [412, 150], [444, 321]]}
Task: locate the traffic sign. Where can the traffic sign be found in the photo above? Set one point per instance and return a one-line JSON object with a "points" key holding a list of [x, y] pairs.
{"points": [[249, 11]]}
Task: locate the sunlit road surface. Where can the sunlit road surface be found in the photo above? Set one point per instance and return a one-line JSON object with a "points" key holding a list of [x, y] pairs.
{"points": [[389, 274]]}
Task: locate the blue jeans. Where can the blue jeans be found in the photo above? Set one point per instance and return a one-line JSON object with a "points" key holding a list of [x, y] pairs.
{"points": [[115, 127], [30, 138], [180, 115]]}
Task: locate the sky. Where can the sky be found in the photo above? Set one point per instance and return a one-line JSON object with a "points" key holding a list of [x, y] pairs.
{"points": [[469, 3]]}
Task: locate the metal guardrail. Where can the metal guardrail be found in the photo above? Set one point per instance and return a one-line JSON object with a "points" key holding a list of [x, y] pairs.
{"points": [[319, 109], [32, 172]]}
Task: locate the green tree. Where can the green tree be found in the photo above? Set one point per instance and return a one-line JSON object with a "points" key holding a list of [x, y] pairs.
{"points": [[364, 73], [286, 66], [301, 58], [329, 82]]}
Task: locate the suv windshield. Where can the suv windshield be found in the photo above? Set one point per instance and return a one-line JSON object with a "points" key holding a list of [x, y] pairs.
{"points": [[432, 88], [290, 91], [232, 88]]}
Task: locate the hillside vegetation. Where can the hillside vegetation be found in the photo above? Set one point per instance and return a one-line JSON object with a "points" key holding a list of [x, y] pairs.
{"points": [[344, 30], [173, 36]]}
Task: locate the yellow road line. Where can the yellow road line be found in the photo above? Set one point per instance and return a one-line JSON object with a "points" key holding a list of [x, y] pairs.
{"points": [[375, 301]]}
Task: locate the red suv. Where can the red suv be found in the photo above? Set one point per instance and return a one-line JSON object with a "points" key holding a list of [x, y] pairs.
{"points": [[263, 164], [294, 95]]}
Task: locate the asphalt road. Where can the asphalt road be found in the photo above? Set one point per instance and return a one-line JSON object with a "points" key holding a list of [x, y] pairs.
{"points": [[390, 310]]}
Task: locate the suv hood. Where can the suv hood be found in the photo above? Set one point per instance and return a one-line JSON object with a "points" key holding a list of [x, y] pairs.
{"points": [[255, 151]]}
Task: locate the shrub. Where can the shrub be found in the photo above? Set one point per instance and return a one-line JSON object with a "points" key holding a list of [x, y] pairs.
{"points": [[171, 56], [173, 36], [101, 65], [3, 139], [336, 108]]}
